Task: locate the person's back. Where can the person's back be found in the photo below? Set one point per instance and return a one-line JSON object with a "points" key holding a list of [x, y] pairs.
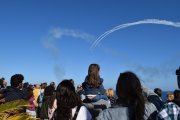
{"points": [[96, 107], [130, 104], [47, 102], [14, 91], [115, 113], [171, 111], [177, 97], [69, 104], [158, 91], [119, 112], [89, 89], [153, 98], [36, 92], [44, 108], [150, 111], [14, 94], [31, 110], [93, 84]]}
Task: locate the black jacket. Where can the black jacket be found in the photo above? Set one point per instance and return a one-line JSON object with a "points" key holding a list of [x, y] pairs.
{"points": [[14, 94]]}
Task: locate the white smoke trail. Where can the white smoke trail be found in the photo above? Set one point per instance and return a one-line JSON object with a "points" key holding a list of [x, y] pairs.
{"points": [[59, 71], [55, 35], [58, 33], [122, 26]]}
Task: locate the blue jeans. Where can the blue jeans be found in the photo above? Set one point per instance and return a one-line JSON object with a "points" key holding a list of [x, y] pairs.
{"points": [[98, 97]]}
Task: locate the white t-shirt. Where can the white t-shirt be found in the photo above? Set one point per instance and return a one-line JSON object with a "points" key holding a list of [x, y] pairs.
{"points": [[83, 113]]}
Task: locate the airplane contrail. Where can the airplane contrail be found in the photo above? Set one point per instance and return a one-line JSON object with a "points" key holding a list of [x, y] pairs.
{"points": [[122, 26], [57, 34]]}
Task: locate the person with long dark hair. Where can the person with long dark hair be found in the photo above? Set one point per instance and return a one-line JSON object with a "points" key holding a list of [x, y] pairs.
{"points": [[47, 103], [69, 105], [130, 102]]}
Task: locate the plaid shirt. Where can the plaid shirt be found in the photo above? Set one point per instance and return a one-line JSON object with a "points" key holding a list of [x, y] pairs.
{"points": [[171, 111]]}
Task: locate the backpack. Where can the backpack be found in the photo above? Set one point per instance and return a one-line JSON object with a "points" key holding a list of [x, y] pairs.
{"points": [[156, 101], [44, 109]]}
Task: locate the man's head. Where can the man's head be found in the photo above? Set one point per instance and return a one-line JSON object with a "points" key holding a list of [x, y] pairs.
{"points": [[16, 80], [158, 91], [37, 86], [177, 94], [53, 85], [26, 85], [170, 96]]}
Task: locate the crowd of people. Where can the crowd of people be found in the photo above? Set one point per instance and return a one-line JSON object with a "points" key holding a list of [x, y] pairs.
{"points": [[90, 100]]}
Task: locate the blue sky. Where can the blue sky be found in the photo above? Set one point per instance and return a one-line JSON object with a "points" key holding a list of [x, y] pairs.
{"points": [[50, 40]]}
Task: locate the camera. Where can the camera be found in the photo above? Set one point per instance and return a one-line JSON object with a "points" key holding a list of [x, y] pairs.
{"points": [[178, 71], [178, 76]]}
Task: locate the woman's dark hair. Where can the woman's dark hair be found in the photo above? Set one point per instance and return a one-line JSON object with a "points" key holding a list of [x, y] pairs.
{"points": [[93, 78], [26, 85], [67, 99], [129, 93], [49, 95], [49, 90], [29, 93]]}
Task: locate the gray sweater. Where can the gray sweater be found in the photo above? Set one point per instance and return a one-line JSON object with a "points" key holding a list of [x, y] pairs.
{"points": [[122, 113], [118, 113]]}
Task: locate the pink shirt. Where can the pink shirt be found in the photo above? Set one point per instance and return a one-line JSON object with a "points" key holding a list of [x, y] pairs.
{"points": [[32, 104]]}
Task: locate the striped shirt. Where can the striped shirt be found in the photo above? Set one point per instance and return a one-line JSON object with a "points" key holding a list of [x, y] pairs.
{"points": [[171, 111]]}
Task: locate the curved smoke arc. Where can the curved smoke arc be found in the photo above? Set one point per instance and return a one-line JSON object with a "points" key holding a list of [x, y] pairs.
{"points": [[122, 26]]}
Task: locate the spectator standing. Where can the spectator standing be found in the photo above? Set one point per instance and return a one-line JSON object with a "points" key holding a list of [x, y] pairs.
{"points": [[30, 98], [170, 97], [69, 104], [111, 96], [36, 92], [177, 97], [14, 91], [130, 102], [158, 91], [3, 83]]}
